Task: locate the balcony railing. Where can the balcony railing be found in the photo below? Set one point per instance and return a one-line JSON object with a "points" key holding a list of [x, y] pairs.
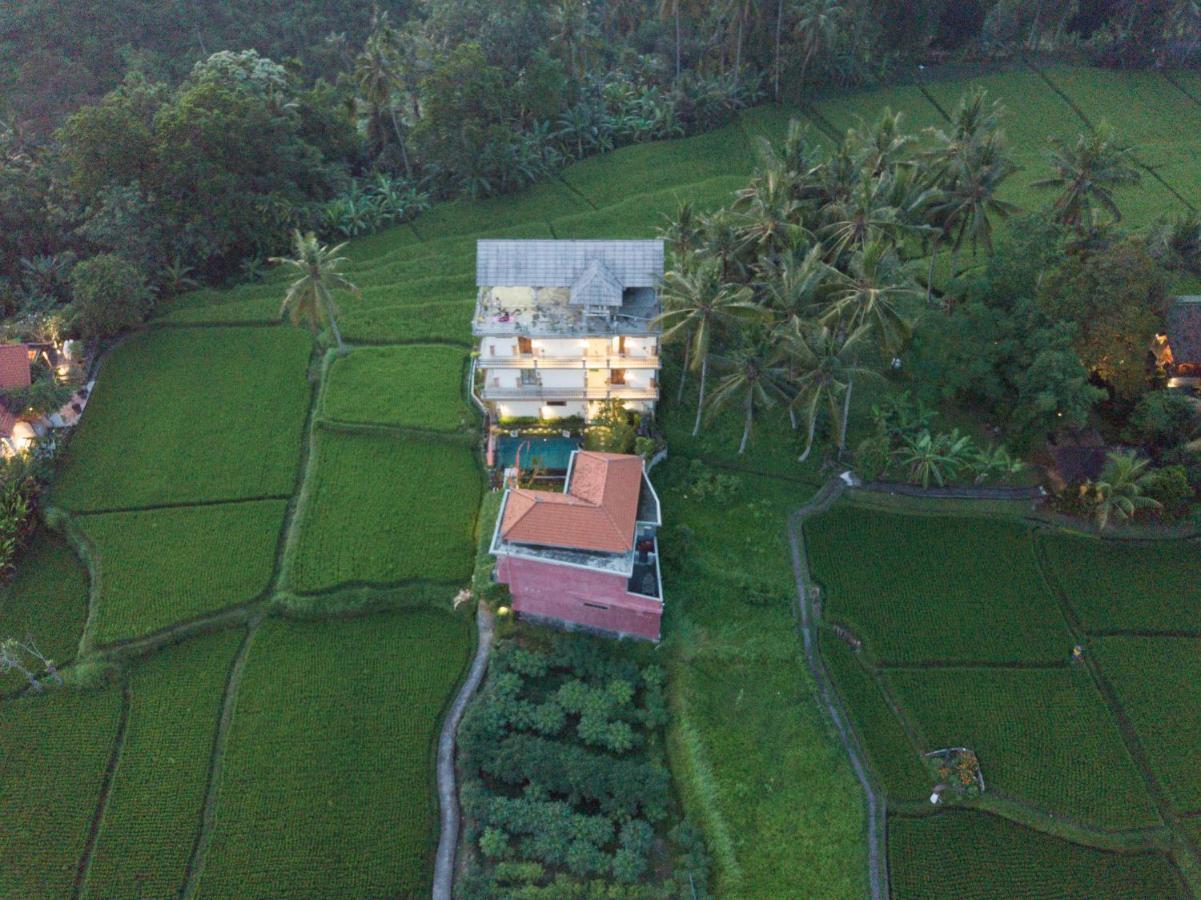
{"points": [[590, 392], [584, 361]]}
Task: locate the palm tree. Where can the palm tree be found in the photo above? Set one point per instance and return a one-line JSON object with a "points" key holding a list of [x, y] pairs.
{"points": [[377, 78], [795, 285], [871, 293], [671, 9], [818, 26], [573, 33], [969, 198], [1119, 491], [753, 379], [822, 367], [697, 302], [309, 298], [769, 218], [1087, 172]]}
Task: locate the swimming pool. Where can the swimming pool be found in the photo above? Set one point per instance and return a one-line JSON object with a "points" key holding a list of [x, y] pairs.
{"points": [[552, 453]]}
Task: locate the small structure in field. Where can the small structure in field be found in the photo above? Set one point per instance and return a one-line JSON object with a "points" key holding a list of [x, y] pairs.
{"points": [[1178, 350], [586, 558]]}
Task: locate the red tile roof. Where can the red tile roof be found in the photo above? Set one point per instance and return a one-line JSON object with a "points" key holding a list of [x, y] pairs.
{"points": [[14, 366], [597, 512]]}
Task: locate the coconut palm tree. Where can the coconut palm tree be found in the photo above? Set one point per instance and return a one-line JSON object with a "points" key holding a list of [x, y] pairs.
{"points": [[796, 284], [1086, 173], [378, 81], [817, 26], [309, 297], [697, 303], [1118, 493], [822, 367], [871, 292], [969, 197], [768, 217], [752, 379], [573, 33]]}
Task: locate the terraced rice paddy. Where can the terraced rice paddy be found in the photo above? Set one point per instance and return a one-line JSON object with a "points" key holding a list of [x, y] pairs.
{"points": [[1099, 750], [308, 753]]}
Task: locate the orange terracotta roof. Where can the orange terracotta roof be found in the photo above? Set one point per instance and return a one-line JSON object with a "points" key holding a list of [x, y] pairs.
{"points": [[597, 512], [14, 366]]}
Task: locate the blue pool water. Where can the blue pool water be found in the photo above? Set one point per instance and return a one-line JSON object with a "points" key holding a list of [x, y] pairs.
{"points": [[547, 452]]}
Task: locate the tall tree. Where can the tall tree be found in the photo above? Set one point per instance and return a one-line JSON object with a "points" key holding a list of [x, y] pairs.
{"points": [[310, 296], [377, 76], [752, 379], [697, 303], [822, 365], [1086, 172]]}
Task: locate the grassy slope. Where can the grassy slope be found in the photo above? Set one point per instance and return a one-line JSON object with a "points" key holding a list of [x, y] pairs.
{"points": [[158, 791], [755, 761], [327, 784]]}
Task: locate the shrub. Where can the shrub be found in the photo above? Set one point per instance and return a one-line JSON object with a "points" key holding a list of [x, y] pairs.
{"points": [[1169, 486], [1163, 419], [110, 295]]}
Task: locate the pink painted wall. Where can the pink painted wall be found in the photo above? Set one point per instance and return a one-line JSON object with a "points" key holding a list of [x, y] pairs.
{"points": [[561, 592]]}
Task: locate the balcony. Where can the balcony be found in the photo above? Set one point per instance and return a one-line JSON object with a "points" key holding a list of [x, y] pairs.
{"points": [[589, 392], [645, 579], [551, 315], [537, 361]]}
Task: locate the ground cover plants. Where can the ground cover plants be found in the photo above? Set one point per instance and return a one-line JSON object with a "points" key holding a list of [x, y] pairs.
{"points": [[565, 772], [965, 854], [146, 836], [46, 601], [419, 386]]}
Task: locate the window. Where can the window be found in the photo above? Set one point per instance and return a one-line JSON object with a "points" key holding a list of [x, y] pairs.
{"points": [[556, 402], [530, 377], [595, 605]]}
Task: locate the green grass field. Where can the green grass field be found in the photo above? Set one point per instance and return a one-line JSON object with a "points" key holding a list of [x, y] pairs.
{"points": [[157, 566], [327, 786], [188, 415], [1150, 585], [918, 589], [965, 855], [414, 387], [383, 510], [52, 763], [753, 759], [46, 600], [158, 790]]}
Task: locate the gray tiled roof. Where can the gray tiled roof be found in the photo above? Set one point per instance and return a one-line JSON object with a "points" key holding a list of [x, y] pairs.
{"points": [[548, 263], [596, 286]]}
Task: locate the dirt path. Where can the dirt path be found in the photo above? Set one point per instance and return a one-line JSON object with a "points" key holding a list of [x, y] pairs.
{"points": [[448, 791], [877, 867]]}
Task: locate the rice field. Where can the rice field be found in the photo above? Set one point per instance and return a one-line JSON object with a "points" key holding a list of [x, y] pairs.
{"points": [[419, 386], [976, 856], [55, 751], [47, 601], [157, 569], [936, 589], [384, 510], [158, 790], [191, 415], [327, 786]]}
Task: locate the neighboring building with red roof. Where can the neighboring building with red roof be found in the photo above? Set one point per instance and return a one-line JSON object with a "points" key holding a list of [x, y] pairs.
{"points": [[588, 557], [14, 366]]}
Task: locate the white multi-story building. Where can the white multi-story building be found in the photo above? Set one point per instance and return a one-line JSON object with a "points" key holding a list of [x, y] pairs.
{"points": [[563, 325]]}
